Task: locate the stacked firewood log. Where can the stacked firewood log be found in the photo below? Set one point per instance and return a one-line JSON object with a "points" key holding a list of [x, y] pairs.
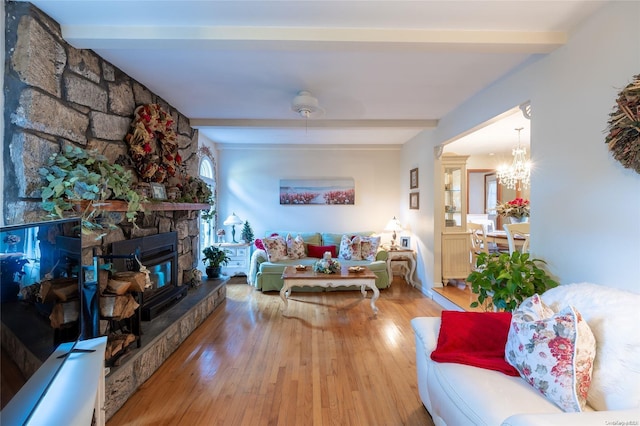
{"points": [[118, 303], [63, 292]]}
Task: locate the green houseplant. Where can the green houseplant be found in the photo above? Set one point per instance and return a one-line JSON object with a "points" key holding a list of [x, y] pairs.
{"points": [[508, 279], [76, 177], [214, 258]]}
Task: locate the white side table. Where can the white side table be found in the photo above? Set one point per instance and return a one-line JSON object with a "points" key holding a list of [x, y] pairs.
{"points": [[240, 262], [405, 255]]}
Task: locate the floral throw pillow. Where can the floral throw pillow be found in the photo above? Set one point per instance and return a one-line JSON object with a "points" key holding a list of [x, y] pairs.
{"points": [[534, 308], [350, 248], [295, 247], [276, 248], [553, 352], [369, 247]]}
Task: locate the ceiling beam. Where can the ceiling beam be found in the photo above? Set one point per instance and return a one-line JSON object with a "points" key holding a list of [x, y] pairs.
{"points": [[280, 38], [199, 123]]}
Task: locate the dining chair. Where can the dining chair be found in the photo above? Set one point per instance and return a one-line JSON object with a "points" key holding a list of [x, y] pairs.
{"points": [[477, 233], [517, 228], [478, 237]]}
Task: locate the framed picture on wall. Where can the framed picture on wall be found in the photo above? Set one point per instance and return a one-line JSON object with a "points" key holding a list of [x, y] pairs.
{"points": [[414, 200], [413, 178], [158, 191], [300, 192], [405, 242]]}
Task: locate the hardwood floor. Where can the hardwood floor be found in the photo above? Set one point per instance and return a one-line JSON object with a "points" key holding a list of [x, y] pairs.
{"points": [[328, 361], [462, 297], [11, 379]]}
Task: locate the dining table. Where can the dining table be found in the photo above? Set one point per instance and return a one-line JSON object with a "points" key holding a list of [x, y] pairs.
{"points": [[499, 237]]}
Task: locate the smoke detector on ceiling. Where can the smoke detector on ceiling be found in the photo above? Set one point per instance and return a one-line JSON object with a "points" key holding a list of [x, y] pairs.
{"points": [[306, 105]]}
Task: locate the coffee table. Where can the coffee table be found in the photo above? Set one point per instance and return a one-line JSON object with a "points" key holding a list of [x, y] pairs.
{"points": [[293, 277]]}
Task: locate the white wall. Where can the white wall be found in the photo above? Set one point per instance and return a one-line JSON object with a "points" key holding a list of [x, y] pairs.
{"points": [[418, 152], [249, 179], [586, 205]]}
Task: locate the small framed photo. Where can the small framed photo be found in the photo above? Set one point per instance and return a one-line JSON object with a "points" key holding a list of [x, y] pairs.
{"points": [[158, 191], [413, 178], [405, 242], [414, 200]]}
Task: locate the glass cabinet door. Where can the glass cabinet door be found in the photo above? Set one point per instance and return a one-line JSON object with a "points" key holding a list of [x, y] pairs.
{"points": [[452, 197]]}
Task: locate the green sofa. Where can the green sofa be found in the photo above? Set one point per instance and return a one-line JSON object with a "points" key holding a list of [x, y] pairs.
{"points": [[267, 276]]}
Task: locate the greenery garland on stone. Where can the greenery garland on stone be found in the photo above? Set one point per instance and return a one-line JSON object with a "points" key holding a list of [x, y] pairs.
{"points": [[152, 144], [624, 127], [75, 179]]}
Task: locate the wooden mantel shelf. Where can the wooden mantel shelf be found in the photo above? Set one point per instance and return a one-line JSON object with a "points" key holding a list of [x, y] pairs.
{"points": [[121, 206]]}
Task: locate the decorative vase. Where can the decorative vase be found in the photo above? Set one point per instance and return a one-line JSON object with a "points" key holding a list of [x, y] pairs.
{"points": [[518, 219]]}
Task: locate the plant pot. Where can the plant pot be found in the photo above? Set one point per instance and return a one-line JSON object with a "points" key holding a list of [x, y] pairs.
{"points": [[518, 219], [213, 272]]}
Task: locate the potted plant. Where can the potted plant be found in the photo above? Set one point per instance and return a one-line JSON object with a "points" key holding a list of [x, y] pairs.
{"points": [[507, 279], [80, 180], [214, 258], [517, 210]]}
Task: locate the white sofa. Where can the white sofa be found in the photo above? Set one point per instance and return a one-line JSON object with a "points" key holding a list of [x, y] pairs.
{"points": [[458, 395]]}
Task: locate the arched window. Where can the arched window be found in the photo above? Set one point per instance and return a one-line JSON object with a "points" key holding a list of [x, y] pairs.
{"points": [[206, 169], [207, 173]]}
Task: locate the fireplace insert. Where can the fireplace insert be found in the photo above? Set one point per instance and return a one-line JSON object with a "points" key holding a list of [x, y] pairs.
{"points": [[159, 254]]}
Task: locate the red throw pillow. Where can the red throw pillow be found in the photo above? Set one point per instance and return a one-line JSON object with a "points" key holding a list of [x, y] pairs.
{"points": [[259, 244], [474, 338], [318, 251]]}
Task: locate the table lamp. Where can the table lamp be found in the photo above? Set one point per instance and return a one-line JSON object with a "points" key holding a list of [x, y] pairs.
{"points": [[394, 226], [233, 220]]}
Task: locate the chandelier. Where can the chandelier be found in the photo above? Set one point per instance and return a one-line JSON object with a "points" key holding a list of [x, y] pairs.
{"points": [[518, 175]]}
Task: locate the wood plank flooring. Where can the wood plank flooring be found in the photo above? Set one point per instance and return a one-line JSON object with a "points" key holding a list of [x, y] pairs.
{"points": [[11, 378], [462, 297], [328, 361]]}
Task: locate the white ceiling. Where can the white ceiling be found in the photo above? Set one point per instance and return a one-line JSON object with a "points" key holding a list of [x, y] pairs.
{"points": [[382, 70]]}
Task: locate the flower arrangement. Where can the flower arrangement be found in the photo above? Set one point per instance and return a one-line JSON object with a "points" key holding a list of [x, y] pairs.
{"points": [[515, 208], [327, 266]]}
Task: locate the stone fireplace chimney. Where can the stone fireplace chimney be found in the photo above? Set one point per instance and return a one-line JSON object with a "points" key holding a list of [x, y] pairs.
{"points": [[56, 95]]}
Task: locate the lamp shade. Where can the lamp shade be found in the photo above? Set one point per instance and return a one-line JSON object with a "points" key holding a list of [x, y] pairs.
{"points": [[393, 225], [233, 220]]}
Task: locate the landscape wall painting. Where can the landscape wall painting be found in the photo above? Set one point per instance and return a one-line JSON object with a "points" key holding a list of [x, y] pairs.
{"points": [[317, 191]]}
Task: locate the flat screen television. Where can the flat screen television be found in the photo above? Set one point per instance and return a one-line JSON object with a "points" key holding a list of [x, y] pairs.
{"points": [[45, 292]]}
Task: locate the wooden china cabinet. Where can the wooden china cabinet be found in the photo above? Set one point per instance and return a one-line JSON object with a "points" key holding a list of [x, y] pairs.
{"points": [[455, 238]]}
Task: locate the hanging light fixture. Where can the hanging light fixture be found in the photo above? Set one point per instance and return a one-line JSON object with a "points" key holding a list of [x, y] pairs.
{"points": [[306, 105], [518, 175]]}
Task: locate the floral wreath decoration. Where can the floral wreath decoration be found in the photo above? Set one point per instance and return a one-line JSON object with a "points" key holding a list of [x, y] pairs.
{"points": [[152, 144], [624, 127]]}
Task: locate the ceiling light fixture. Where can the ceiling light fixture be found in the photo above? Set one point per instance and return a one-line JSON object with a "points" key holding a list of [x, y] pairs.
{"points": [[518, 175], [306, 105]]}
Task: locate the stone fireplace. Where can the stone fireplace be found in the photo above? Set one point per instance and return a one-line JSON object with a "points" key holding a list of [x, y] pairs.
{"points": [[56, 95]]}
